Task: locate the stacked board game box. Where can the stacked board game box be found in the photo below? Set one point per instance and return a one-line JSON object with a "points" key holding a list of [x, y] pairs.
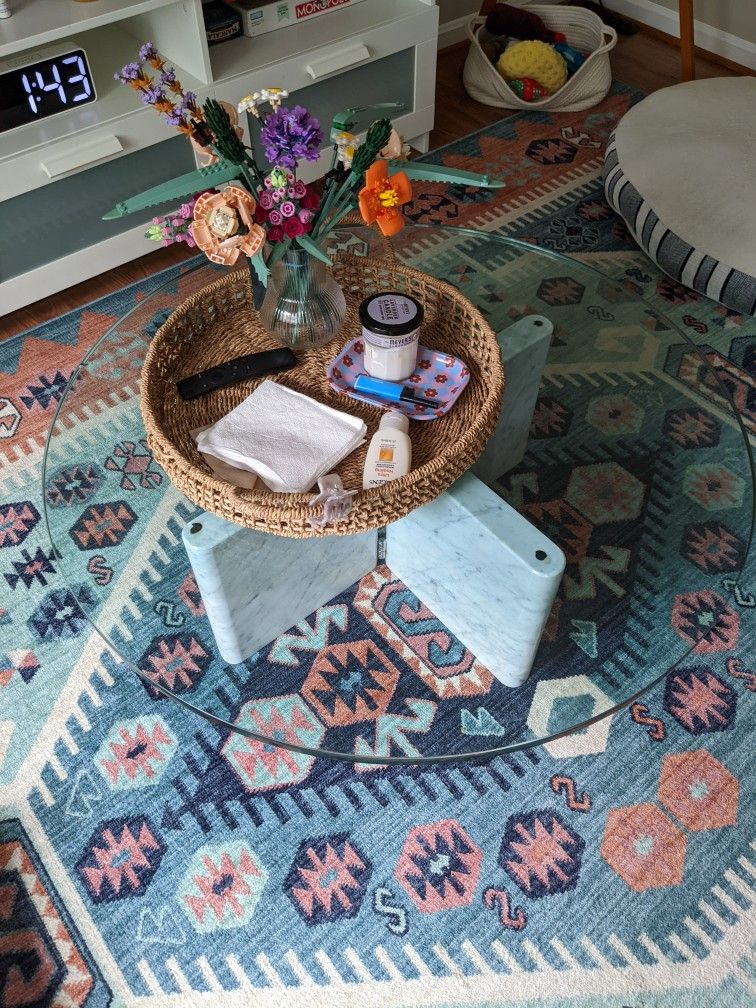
{"points": [[262, 16]]}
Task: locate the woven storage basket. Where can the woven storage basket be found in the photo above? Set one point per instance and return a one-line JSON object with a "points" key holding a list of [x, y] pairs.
{"points": [[587, 86], [220, 322]]}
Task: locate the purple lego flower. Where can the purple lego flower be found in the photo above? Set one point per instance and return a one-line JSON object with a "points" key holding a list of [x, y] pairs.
{"points": [[189, 102], [152, 95], [147, 52], [175, 118], [128, 73], [173, 227], [290, 135], [167, 76]]}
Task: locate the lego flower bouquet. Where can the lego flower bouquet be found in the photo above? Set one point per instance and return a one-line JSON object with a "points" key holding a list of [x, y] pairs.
{"points": [[236, 207]]}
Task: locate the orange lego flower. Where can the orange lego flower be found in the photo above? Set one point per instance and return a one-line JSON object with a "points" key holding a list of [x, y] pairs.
{"points": [[382, 196]]}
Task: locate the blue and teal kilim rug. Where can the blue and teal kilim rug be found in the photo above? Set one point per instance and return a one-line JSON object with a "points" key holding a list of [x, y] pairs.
{"points": [[138, 871]]}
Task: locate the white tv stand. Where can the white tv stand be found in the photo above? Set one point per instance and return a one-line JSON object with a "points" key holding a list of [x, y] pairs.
{"points": [[53, 173]]}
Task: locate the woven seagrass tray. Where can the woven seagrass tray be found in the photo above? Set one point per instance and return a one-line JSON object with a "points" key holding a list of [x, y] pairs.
{"points": [[220, 322]]}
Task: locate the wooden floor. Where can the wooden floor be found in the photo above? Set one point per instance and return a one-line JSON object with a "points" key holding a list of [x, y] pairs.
{"points": [[645, 61]]}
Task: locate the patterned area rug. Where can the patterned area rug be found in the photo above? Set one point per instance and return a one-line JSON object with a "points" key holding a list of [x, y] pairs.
{"points": [[136, 869]]}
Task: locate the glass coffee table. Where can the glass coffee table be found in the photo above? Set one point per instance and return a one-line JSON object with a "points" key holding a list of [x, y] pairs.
{"points": [[636, 466]]}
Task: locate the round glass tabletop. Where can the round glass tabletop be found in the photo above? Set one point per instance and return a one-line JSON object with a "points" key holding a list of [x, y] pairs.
{"points": [[622, 447]]}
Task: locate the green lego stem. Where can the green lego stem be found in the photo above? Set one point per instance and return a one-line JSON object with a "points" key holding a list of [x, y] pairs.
{"points": [[440, 173], [184, 185], [260, 267]]}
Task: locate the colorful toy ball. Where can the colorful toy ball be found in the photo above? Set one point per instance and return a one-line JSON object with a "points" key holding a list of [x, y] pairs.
{"points": [[537, 60], [527, 88], [572, 57]]}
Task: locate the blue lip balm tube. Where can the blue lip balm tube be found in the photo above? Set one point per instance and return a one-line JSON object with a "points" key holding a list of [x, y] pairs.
{"points": [[390, 391]]}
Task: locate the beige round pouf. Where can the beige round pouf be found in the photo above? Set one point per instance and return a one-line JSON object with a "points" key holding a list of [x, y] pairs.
{"points": [[680, 169]]}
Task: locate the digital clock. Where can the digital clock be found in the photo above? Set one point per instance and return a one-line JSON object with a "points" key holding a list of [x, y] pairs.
{"points": [[43, 88]]}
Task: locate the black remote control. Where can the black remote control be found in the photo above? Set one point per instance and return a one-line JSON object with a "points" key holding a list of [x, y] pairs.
{"points": [[253, 365]]}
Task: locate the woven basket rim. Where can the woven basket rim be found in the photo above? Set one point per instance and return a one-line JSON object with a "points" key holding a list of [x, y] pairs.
{"points": [[586, 87], [268, 506]]}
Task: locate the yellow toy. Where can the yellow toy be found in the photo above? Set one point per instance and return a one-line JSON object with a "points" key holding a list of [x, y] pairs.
{"points": [[537, 60]]}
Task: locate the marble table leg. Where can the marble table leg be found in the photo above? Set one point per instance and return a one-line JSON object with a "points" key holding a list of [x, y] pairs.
{"points": [[487, 573], [255, 585], [524, 347]]}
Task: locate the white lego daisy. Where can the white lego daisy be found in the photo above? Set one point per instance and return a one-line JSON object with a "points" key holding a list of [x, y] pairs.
{"points": [[346, 145], [272, 96]]}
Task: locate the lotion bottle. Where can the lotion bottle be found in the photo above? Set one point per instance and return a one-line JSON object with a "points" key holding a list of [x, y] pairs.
{"points": [[389, 454]]}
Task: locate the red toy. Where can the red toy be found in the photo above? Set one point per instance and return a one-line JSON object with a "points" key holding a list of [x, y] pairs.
{"points": [[527, 88], [505, 19]]}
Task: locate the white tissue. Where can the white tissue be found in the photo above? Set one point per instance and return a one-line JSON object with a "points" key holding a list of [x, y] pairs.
{"points": [[286, 438]]}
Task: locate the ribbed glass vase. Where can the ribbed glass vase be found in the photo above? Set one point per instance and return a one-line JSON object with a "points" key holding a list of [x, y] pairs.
{"points": [[303, 307]]}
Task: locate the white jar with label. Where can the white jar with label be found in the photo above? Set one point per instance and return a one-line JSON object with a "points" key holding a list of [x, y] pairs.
{"points": [[390, 323]]}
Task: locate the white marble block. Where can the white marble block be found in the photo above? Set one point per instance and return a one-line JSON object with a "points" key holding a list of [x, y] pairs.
{"points": [[487, 573], [524, 347], [255, 585]]}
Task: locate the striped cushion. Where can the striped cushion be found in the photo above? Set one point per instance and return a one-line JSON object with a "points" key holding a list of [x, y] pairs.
{"points": [[696, 225]]}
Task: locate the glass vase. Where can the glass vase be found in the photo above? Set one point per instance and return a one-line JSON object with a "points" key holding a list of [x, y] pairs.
{"points": [[303, 307]]}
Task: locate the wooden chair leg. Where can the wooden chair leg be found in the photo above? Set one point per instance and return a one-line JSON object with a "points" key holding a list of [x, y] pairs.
{"points": [[687, 50]]}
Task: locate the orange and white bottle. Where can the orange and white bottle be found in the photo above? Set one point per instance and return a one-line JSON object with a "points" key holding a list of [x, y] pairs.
{"points": [[389, 452]]}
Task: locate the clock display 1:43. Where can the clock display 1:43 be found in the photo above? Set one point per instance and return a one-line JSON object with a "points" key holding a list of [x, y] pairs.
{"points": [[74, 87], [48, 85]]}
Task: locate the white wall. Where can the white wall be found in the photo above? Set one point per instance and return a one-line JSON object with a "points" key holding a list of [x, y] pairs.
{"points": [[725, 27], [736, 17], [452, 9]]}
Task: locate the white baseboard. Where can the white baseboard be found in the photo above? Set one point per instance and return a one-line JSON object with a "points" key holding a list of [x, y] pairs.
{"points": [[707, 37]]}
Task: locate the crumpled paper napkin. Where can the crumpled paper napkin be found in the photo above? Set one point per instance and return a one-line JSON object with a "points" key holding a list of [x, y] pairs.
{"points": [[287, 439]]}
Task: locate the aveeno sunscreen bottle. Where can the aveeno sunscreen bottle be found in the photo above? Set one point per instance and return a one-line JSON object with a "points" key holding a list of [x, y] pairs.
{"points": [[390, 451]]}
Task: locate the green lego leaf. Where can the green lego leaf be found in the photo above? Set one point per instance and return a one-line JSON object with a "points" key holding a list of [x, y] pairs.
{"points": [[260, 267], [174, 189], [227, 143], [356, 119], [309, 245], [440, 173]]}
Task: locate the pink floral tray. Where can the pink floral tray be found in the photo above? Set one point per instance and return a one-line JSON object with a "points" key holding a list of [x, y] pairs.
{"points": [[438, 376]]}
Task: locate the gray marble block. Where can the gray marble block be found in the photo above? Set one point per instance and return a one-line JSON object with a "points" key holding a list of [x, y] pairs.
{"points": [[255, 585], [524, 347], [487, 573]]}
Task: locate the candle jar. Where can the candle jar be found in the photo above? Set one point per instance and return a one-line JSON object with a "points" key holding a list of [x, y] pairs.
{"points": [[390, 324]]}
